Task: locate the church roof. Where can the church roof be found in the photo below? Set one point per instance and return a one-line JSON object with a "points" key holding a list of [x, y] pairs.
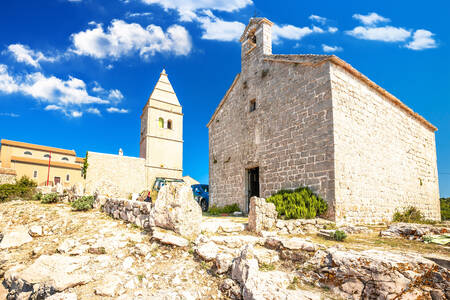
{"points": [[163, 91]]}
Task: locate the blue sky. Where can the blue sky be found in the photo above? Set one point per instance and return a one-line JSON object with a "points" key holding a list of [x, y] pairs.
{"points": [[76, 74]]}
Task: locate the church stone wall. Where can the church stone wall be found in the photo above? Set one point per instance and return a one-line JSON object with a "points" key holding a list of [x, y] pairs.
{"points": [[288, 136], [384, 158], [115, 175]]}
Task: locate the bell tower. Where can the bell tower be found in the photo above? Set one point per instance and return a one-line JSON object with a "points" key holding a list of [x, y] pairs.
{"points": [[256, 41], [161, 142]]}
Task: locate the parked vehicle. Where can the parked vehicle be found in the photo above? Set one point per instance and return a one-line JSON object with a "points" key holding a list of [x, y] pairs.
{"points": [[201, 195], [157, 185]]}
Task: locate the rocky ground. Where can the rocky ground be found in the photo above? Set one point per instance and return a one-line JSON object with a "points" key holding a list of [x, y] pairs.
{"points": [[51, 250]]}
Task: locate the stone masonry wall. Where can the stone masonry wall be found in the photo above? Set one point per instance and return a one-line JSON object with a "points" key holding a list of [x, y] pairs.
{"points": [[288, 136], [385, 159], [114, 175], [136, 212], [7, 175]]}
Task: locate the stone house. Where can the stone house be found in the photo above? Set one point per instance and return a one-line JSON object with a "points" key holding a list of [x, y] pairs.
{"points": [[314, 120]]}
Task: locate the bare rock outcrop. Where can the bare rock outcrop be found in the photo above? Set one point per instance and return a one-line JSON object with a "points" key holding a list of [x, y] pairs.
{"points": [[175, 209], [15, 237], [412, 231], [375, 274], [262, 215]]}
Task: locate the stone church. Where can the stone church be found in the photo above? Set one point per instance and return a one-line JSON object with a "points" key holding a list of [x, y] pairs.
{"points": [[314, 120]]}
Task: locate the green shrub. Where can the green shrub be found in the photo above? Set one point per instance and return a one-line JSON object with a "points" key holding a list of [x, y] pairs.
{"points": [[410, 215], [37, 196], [50, 198], [339, 235], [23, 188], [445, 209], [84, 203], [227, 209], [301, 203]]}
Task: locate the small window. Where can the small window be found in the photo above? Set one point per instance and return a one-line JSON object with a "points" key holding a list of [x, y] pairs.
{"points": [[35, 174], [67, 177], [161, 122], [254, 39], [169, 124], [27, 153], [252, 105], [65, 158], [47, 155]]}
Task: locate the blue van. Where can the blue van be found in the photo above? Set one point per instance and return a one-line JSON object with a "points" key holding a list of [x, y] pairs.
{"points": [[201, 195]]}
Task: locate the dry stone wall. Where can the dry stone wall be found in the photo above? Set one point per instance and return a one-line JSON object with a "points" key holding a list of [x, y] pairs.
{"points": [[385, 159], [136, 212]]}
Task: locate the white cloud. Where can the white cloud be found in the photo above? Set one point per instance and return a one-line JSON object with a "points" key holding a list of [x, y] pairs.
{"points": [[76, 114], [123, 38], [385, 34], [12, 115], [93, 110], [318, 19], [68, 96], [138, 14], [24, 54], [7, 83], [371, 19], [117, 110], [422, 39], [291, 32], [115, 95], [327, 48], [332, 29], [215, 28], [186, 8]]}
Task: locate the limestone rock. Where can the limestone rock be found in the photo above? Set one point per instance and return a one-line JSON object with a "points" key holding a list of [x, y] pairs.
{"points": [[207, 251], [262, 216], [109, 286], [66, 246], [298, 244], [35, 231], [266, 256], [231, 289], [63, 296], [223, 262], [169, 238], [218, 225], [377, 274], [412, 231], [48, 274], [245, 265], [176, 209], [15, 237]]}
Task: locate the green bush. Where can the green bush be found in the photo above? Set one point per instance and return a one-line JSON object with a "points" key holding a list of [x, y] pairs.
{"points": [[23, 188], [445, 209], [301, 203], [37, 196], [410, 215], [84, 203], [227, 209], [50, 198], [339, 235]]}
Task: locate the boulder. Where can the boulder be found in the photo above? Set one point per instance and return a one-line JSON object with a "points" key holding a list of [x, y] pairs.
{"points": [[262, 215], [15, 237], [47, 275], [223, 262], [109, 286], [377, 274], [207, 251], [168, 238], [176, 209], [412, 231]]}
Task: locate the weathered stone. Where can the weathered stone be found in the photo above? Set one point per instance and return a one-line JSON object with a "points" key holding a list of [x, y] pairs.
{"points": [[51, 273], [412, 231], [63, 296], [176, 209], [66, 246], [109, 286], [231, 289], [298, 244], [262, 216], [35, 231], [236, 241], [245, 265], [223, 262], [374, 273], [218, 225], [15, 237], [169, 238], [266, 256], [207, 251]]}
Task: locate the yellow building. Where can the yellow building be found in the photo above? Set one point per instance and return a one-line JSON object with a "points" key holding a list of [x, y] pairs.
{"points": [[41, 162]]}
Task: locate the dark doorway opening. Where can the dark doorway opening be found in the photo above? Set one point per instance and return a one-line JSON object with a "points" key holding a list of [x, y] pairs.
{"points": [[57, 180], [253, 185]]}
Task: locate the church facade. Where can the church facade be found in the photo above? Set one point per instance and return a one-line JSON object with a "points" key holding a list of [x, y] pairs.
{"points": [[314, 120]]}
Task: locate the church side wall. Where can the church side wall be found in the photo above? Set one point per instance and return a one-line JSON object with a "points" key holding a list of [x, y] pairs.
{"points": [[288, 136], [385, 159], [115, 175]]}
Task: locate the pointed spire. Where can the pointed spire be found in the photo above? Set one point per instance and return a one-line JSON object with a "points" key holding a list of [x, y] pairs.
{"points": [[163, 90]]}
